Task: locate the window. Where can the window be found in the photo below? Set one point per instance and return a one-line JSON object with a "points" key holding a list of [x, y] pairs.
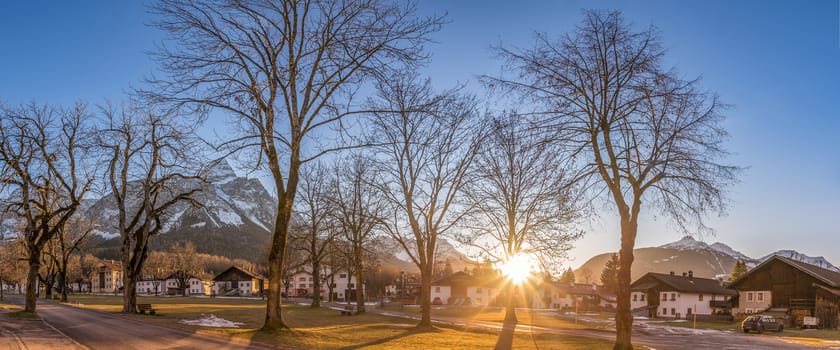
{"points": [[664, 296], [748, 311], [642, 298], [664, 311], [343, 275], [635, 297], [673, 296], [312, 285], [478, 291], [478, 300], [302, 279], [673, 311], [749, 296], [310, 279], [700, 297], [760, 296], [437, 289]]}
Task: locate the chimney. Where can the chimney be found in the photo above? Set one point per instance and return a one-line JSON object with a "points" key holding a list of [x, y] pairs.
{"points": [[672, 273], [690, 275]]}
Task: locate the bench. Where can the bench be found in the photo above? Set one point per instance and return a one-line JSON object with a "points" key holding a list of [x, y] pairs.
{"points": [[349, 310], [142, 308]]}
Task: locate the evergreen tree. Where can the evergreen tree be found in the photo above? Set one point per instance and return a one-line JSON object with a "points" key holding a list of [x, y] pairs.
{"points": [[609, 276], [738, 270], [568, 276]]}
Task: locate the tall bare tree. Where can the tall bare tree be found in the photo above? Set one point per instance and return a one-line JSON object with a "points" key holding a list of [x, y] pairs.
{"points": [[285, 70], [358, 211], [43, 175], [152, 166], [429, 141], [183, 264], [638, 129], [314, 232], [62, 247], [523, 201]]}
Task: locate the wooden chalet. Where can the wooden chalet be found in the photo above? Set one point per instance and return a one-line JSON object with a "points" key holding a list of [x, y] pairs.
{"points": [[792, 287], [239, 282]]}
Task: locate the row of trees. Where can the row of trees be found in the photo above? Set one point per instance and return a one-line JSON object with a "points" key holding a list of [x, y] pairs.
{"points": [[598, 117]]}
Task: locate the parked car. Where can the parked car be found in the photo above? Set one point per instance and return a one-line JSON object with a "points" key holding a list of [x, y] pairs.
{"points": [[437, 301], [761, 323]]}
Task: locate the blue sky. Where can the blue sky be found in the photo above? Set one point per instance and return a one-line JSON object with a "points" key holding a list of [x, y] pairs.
{"points": [[776, 62]]}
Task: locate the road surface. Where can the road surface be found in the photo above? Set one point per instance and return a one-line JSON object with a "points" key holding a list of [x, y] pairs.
{"points": [[97, 330]]}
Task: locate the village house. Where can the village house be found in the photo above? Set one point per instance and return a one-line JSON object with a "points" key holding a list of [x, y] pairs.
{"points": [[149, 285], [302, 284], [675, 296], [461, 288], [572, 296], [107, 277], [792, 287], [239, 282]]}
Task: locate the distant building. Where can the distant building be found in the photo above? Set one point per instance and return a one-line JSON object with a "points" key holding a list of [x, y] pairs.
{"points": [[792, 287], [107, 277], [240, 282], [572, 296], [302, 284], [461, 288], [674, 296]]}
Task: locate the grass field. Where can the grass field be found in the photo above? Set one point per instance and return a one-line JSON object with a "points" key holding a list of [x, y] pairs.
{"points": [[324, 328]]}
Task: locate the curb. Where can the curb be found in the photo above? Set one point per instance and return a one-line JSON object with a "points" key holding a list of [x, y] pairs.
{"points": [[80, 345]]}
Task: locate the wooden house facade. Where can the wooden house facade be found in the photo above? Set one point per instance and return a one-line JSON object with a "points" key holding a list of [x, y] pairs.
{"points": [[239, 282], [790, 286]]}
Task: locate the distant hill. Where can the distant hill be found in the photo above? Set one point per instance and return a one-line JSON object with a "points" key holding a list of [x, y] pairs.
{"points": [[705, 260]]}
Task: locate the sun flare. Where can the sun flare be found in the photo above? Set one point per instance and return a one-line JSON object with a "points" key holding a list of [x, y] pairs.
{"points": [[517, 269]]}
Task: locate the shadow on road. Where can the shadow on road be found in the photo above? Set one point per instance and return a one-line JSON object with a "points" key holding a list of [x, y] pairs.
{"points": [[505, 341]]}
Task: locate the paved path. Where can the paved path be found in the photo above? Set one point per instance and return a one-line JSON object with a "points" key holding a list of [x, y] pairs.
{"points": [[96, 330]]}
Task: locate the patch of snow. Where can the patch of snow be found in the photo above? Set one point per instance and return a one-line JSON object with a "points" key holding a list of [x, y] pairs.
{"points": [[172, 221], [222, 173], [229, 217], [105, 234], [198, 224], [212, 321], [794, 255], [686, 243], [725, 249], [402, 255]]}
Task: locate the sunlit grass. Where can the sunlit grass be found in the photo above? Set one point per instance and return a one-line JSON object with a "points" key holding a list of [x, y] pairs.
{"points": [[323, 328]]}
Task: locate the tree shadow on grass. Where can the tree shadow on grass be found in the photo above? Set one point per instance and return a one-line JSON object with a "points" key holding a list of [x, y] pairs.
{"points": [[505, 341], [406, 333]]}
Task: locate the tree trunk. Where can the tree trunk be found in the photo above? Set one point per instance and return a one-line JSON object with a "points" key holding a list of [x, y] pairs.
{"points": [[316, 290], [273, 314], [129, 293], [62, 285], [48, 282], [425, 297], [623, 315], [360, 291], [510, 307], [32, 280]]}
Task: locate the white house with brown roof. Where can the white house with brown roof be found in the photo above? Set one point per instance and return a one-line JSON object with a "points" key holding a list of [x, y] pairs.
{"points": [[680, 296], [461, 288], [572, 296], [240, 282]]}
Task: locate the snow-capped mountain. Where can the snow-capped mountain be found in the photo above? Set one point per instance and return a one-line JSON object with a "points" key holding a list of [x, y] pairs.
{"points": [[705, 260], [234, 221]]}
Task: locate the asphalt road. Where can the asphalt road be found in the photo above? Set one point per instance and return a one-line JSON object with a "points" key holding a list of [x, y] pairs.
{"points": [[98, 330]]}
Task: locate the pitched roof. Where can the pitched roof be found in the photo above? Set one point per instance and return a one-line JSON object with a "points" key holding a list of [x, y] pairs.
{"points": [[687, 284], [246, 272], [463, 278], [111, 264], [832, 278]]}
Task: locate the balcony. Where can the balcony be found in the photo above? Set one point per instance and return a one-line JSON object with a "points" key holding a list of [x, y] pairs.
{"points": [[720, 304]]}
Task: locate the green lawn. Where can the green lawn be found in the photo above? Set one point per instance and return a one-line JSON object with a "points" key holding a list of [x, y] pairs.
{"points": [[324, 328]]}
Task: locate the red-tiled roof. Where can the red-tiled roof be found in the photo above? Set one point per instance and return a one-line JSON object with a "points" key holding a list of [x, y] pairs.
{"points": [[687, 284]]}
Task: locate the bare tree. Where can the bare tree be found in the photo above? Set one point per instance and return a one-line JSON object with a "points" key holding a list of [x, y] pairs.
{"points": [[151, 161], [286, 70], [522, 199], [62, 247], [638, 129], [183, 264], [359, 214], [43, 177], [315, 234], [429, 141]]}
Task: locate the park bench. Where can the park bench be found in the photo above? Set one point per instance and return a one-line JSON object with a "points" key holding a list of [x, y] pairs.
{"points": [[142, 308], [349, 310]]}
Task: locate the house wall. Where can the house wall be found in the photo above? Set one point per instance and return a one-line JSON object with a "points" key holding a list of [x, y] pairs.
{"points": [[480, 295], [149, 287], [113, 281], [442, 292], [674, 304], [784, 281], [638, 299], [754, 301]]}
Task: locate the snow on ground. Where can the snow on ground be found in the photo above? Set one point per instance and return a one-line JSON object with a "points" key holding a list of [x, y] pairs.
{"points": [[229, 217], [212, 321]]}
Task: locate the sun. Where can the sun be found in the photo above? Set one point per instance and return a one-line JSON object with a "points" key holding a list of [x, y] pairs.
{"points": [[517, 269]]}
